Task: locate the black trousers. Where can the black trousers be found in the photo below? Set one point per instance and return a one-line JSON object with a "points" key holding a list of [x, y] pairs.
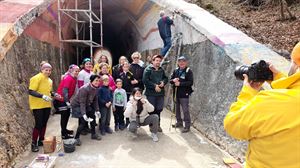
{"points": [[65, 115], [41, 117], [119, 115], [82, 124], [63, 109]]}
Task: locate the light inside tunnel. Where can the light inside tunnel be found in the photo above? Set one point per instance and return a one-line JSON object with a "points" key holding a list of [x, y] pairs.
{"points": [[120, 36]]}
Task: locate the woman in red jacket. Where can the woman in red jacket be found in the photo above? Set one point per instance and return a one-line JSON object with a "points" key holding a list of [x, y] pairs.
{"points": [[66, 90]]}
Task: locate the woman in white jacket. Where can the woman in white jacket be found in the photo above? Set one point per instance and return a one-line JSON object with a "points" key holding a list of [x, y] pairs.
{"points": [[137, 110]]}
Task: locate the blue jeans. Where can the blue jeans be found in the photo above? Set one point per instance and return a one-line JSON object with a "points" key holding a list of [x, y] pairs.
{"points": [[167, 45]]}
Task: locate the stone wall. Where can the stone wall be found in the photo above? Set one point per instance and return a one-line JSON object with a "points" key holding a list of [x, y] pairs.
{"points": [[19, 65]]}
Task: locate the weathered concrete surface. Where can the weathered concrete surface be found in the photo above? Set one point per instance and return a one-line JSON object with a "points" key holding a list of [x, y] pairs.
{"points": [[16, 121], [119, 150]]}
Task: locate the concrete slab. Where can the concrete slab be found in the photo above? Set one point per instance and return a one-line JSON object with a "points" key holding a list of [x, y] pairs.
{"points": [[119, 149]]}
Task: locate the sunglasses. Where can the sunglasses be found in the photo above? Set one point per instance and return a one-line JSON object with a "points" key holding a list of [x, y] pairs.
{"points": [[135, 57]]}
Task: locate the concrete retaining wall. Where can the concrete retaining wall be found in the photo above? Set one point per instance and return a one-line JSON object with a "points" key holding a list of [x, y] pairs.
{"points": [[20, 63], [214, 49]]}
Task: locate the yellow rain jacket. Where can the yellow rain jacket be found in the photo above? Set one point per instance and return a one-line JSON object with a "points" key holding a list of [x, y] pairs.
{"points": [[270, 121]]}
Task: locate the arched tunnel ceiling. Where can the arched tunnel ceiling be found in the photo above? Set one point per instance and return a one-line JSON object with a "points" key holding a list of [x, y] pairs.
{"points": [[120, 26], [116, 13]]}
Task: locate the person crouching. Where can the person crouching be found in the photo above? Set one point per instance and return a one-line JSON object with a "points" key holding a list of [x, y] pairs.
{"points": [[85, 106], [137, 110]]}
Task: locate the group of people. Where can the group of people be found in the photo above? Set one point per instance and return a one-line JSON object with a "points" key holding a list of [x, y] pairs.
{"points": [[132, 92], [268, 119]]}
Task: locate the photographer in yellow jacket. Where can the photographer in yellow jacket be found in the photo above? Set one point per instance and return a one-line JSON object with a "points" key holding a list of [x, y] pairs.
{"points": [[269, 119]]}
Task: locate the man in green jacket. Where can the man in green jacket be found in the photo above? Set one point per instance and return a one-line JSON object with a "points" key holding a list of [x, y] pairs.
{"points": [[155, 79]]}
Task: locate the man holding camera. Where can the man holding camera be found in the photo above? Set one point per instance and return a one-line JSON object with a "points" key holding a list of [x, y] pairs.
{"points": [[164, 26], [182, 81], [269, 119]]}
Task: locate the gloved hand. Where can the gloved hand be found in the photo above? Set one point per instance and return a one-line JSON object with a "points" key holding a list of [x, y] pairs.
{"points": [[47, 98], [87, 118], [98, 114], [68, 104]]}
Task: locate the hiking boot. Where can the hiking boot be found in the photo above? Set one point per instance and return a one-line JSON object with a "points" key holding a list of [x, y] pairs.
{"points": [[177, 125], [96, 137], [116, 128], [70, 132], [88, 130], [102, 132], [83, 132], [34, 147], [40, 143], [67, 136], [77, 142], [159, 129], [154, 137], [108, 130], [185, 130], [122, 127]]}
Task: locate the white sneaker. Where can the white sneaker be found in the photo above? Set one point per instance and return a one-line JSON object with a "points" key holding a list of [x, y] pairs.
{"points": [[154, 137]]}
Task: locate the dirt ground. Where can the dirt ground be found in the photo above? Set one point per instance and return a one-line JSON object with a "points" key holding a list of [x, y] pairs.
{"points": [[261, 24]]}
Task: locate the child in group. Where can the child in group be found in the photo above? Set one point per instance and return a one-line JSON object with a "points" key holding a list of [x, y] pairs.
{"points": [[105, 102], [127, 78], [128, 81], [119, 105]]}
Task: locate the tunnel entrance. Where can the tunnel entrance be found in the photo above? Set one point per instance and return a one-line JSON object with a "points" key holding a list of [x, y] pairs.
{"points": [[120, 35]]}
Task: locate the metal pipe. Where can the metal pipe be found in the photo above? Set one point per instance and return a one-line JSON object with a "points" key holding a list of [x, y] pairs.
{"points": [[60, 38], [77, 33], [91, 30]]}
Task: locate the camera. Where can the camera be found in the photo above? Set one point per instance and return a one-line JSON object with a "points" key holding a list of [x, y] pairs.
{"points": [[257, 72]]}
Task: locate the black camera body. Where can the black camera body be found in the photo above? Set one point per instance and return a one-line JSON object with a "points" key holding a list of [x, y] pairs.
{"points": [[257, 72]]}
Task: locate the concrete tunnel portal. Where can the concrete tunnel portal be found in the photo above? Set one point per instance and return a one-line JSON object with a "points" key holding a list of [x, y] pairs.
{"points": [[120, 35]]}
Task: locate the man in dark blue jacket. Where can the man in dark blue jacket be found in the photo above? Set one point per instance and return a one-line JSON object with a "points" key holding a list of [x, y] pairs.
{"points": [[164, 27], [182, 81]]}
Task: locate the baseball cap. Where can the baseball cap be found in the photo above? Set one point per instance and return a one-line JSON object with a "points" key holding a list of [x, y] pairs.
{"points": [[182, 58]]}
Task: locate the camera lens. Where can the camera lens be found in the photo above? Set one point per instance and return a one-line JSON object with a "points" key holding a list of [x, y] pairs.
{"points": [[240, 70]]}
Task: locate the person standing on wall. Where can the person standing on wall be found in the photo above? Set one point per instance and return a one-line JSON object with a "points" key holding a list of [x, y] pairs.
{"points": [[269, 119], [117, 69], [85, 107], [164, 27], [182, 81], [155, 80], [40, 92], [66, 90], [137, 70]]}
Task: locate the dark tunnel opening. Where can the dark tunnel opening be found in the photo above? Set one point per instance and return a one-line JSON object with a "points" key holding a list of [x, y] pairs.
{"points": [[119, 33]]}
